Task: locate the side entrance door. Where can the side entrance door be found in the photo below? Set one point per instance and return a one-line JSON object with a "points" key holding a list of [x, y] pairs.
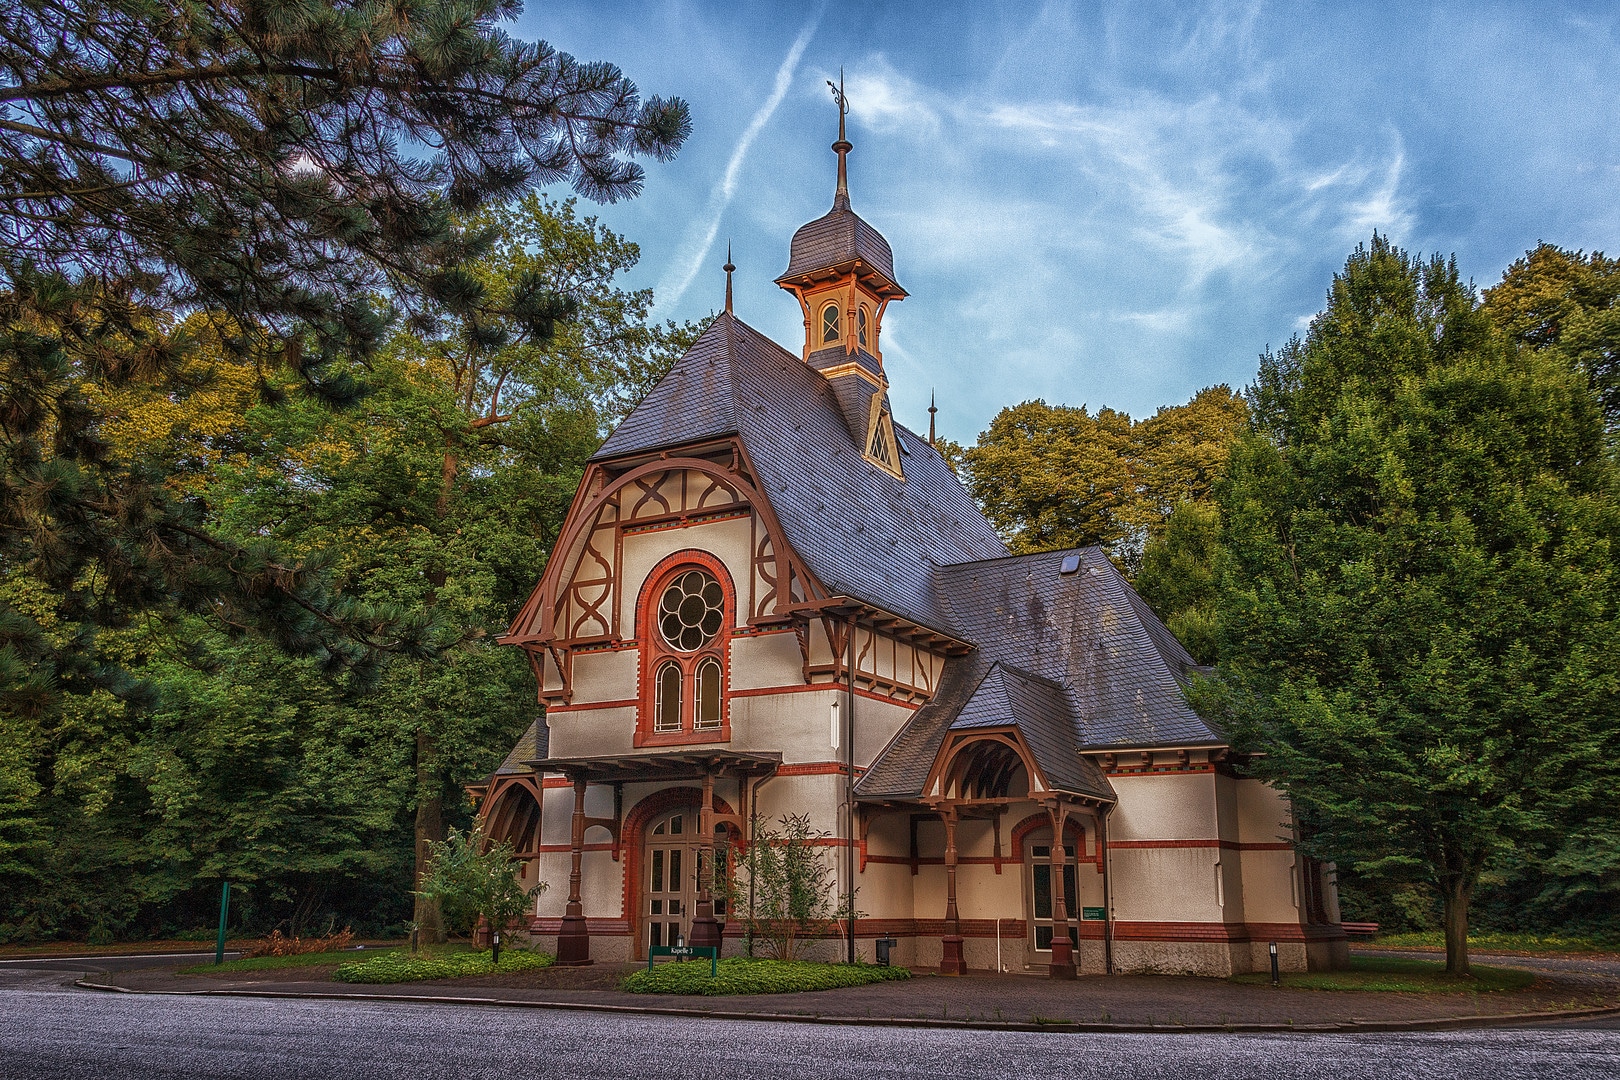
{"points": [[1040, 894]]}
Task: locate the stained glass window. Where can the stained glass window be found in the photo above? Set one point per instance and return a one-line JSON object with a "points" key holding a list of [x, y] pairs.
{"points": [[691, 611], [708, 694], [667, 713]]}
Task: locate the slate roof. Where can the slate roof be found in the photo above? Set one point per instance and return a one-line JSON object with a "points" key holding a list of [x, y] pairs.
{"points": [[861, 531], [837, 238], [1040, 709], [1119, 673], [533, 744]]}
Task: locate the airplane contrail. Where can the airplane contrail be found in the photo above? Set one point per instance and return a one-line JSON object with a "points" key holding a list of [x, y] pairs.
{"points": [[674, 285]]}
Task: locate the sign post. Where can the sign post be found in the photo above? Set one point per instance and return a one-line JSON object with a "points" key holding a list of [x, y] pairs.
{"points": [[687, 952], [224, 909]]}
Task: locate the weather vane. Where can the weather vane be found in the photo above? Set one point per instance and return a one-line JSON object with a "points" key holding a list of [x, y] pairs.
{"points": [[842, 147]]}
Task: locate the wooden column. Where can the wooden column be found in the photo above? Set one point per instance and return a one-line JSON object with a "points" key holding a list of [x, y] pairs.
{"points": [[951, 962], [705, 927], [574, 940], [1062, 966]]}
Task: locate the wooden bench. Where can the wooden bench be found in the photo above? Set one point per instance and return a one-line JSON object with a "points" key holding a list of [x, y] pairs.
{"points": [[1360, 929]]}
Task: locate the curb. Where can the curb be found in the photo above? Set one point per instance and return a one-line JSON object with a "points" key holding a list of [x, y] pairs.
{"points": [[1444, 1023]]}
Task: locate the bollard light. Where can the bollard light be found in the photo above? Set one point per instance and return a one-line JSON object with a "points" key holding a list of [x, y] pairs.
{"points": [[495, 949], [1275, 978]]}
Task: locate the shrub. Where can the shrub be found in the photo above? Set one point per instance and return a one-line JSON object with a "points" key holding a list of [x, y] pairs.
{"points": [[276, 945], [740, 975], [784, 891], [399, 967], [473, 879]]}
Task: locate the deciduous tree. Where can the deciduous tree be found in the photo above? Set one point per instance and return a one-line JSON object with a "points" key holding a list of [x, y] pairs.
{"points": [[1417, 629]]}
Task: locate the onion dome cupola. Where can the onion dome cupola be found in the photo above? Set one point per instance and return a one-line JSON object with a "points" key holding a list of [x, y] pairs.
{"points": [[841, 270]]}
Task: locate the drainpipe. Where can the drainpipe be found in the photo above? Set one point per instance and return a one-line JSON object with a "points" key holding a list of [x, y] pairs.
{"points": [[849, 797], [1108, 899]]}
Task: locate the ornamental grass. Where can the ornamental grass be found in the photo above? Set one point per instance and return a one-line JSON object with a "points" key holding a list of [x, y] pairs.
{"points": [[742, 975], [276, 945], [401, 966]]}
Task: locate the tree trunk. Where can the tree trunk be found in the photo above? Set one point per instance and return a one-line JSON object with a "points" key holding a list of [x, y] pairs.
{"points": [[427, 916], [1458, 891]]}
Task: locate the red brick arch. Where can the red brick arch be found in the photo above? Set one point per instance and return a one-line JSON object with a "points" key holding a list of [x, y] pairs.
{"points": [[1036, 822], [633, 832]]}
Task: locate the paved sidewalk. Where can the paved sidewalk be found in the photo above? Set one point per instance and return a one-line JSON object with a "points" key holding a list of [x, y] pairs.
{"points": [[1015, 1001]]}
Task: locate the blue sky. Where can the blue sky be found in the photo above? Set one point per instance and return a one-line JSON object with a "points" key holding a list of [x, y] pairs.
{"points": [[1108, 204]]}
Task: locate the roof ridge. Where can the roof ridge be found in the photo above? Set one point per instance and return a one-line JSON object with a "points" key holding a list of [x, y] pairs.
{"points": [[1024, 555]]}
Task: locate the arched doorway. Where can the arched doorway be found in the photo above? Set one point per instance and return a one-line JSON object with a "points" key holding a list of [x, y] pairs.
{"points": [[1040, 895], [673, 855]]}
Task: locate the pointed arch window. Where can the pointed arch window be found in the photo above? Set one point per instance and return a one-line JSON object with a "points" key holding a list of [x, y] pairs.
{"points": [[860, 326], [688, 613], [831, 325]]}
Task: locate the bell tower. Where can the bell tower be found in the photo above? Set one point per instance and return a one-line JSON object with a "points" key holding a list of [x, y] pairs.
{"points": [[841, 271]]}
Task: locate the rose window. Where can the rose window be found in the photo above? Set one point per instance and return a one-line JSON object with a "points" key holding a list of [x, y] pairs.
{"points": [[691, 611]]}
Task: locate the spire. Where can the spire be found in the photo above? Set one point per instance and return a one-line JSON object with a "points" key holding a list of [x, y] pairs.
{"points": [[931, 412], [842, 147], [728, 268]]}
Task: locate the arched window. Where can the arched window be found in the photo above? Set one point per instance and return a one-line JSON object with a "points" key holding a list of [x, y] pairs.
{"points": [[860, 326], [667, 715], [688, 613], [831, 330], [708, 694]]}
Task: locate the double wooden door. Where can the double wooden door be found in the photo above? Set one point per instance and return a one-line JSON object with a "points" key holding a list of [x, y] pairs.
{"points": [[670, 878]]}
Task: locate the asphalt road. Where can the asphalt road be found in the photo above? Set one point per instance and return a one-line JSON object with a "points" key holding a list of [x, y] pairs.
{"points": [[48, 1030]]}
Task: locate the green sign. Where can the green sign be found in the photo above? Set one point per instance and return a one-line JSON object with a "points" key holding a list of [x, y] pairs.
{"points": [[1093, 913], [687, 952]]}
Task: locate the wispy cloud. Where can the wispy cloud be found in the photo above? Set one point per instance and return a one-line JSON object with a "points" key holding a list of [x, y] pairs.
{"points": [[700, 238]]}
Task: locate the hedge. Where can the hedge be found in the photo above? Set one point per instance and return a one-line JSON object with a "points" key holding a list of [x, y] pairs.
{"points": [[398, 967], [740, 975]]}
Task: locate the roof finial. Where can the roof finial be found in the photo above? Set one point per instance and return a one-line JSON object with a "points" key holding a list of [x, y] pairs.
{"points": [[728, 268], [931, 412], [842, 147]]}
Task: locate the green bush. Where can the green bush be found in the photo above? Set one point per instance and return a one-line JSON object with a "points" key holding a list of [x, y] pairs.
{"points": [[399, 967], [739, 975]]}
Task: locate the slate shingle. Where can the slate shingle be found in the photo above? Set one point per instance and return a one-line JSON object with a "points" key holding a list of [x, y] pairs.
{"points": [[862, 532]]}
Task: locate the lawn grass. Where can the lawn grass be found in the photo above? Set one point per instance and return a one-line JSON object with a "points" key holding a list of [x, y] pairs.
{"points": [[741, 975], [400, 966], [1493, 942], [1398, 975], [275, 963]]}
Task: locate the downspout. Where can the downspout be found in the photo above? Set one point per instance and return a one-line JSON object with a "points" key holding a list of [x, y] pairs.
{"points": [[1108, 900], [849, 797]]}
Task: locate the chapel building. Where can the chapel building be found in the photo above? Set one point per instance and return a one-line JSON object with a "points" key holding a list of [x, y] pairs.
{"points": [[771, 597]]}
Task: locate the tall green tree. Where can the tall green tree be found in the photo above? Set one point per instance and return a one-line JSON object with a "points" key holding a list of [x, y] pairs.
{"points": [[444, 489], [1179, 577], [1416, 631], [1050, 476], [1569, 302]]}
